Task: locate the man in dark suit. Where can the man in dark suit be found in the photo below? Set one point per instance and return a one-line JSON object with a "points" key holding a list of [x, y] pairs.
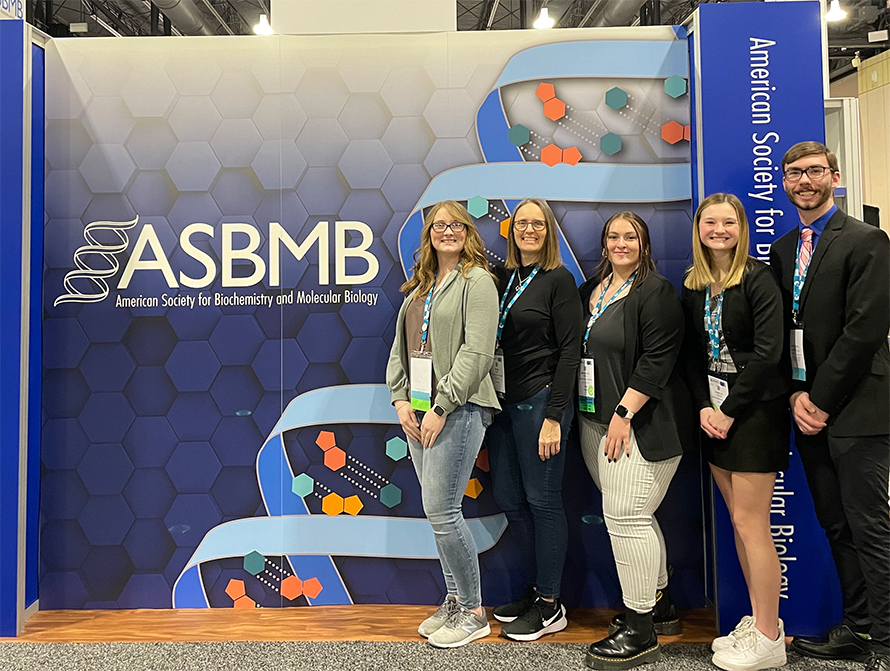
{"points": [[835, 277]]}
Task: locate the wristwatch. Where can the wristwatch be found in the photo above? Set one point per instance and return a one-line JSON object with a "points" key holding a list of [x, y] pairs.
{"points": [[623, 412], [439, 410]]}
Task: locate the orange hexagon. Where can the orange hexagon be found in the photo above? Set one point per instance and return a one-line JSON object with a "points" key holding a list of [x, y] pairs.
{"points": [[554, 109], [235, 589], [571, 155], [551, 155], [686, 132], [505, 227], [353, 505], [545, 91], [291, 587], [482, 460], [312, 588], [474, 488], [245, 602], [332, 504], [672, 132], [325, 440], [335, 458]]}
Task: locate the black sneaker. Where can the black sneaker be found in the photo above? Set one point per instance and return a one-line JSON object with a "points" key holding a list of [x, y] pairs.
{"points": [[544, 617], [664, 616], [510, 611]]}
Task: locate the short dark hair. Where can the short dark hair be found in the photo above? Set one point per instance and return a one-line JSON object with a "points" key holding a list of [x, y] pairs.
{"points": [[802, 149]]}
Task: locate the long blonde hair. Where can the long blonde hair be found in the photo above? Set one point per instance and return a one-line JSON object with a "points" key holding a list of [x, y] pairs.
{"points": [[700, 275], [426, 262], [550, 258]]}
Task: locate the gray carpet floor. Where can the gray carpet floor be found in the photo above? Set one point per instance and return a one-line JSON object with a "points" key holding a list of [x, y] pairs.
{"points": [[341, 656]]}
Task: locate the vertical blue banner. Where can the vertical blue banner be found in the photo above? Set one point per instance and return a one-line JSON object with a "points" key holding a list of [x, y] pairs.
{"points": [[758, 91]]}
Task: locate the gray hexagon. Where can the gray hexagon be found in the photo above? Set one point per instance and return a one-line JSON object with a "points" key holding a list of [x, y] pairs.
{"points": [[450, 113], [322, 93], [322, 142], [67, 194], [449, 153], [148, 92], [152, 193], [236, 143], [365, 164], [408, 139], [103, 75], [237, 192], [279, 117], [364, 117], [404, 185], [368, 206], [193, 166], [108, 120], [193, 74], [279, 164], [70, 94], [407, 91], [237, 95], [107, 168], [194, 119], [322, 191], [150, 143], [69, 153]]}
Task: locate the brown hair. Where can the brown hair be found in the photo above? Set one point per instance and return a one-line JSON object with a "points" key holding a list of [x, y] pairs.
{"points": [[426, 262], [647, 265], [700, 275], [550, 258], [802, 149]]}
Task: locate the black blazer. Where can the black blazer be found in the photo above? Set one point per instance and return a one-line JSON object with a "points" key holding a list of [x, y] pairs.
{"points": [[653, 336], [753, 328], [845, 310]]}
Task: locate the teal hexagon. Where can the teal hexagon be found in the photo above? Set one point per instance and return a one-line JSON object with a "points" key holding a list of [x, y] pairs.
{"points": [[390, 496], [477, 206], [303, 485], [519, 135], [675, 86], [254, 563], [616, 98], [610, 144], [396, 448]]}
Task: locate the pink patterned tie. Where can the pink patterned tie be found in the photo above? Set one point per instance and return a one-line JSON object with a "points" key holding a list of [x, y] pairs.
{"points": [[806, 251]]}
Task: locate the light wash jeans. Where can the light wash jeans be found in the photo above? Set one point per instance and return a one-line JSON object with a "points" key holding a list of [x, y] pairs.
{"points": [[444, 472]]}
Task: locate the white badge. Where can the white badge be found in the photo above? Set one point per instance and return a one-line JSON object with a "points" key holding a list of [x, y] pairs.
{"points": [[586, 386], [798, 364], [421, 380], [497, 373], [718, 389]]}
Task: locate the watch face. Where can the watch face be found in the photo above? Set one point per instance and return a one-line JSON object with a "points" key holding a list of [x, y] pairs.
{"points": [[621, 411], [439, 410]]}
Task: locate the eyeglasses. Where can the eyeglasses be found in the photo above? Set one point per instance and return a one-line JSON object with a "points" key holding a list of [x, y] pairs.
{"points": [[536, 224], [813, 172], [455, 226]]}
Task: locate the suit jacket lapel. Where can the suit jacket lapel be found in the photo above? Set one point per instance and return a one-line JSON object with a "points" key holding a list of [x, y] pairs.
{"points": [[831, 231]]}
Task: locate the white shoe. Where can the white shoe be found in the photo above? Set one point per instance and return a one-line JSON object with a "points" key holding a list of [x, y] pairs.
{"points": [[462, 626], [752, 651], [723, 642], [438, 619]]}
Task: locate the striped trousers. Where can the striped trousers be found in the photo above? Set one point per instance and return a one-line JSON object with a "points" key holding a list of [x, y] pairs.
{"points": [[632, 489]]}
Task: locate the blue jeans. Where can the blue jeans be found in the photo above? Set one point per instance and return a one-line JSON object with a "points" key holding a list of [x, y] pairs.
{"points": [[444, 472], [529, 490]]}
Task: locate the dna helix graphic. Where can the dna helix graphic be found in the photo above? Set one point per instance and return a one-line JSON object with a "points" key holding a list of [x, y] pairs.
{"points": [[93, 251]]}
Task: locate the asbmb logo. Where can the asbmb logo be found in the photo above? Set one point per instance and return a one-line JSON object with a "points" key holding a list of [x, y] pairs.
{"points": [[96, 262]]}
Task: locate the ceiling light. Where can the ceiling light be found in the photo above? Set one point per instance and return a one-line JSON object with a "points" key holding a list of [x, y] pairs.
{"points": [[543, 22], [835, 13], [263, 27]]}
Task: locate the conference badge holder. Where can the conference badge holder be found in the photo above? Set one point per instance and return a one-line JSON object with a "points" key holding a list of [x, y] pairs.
{"points": [[586, 385], [497, 373], [718, 390], [798, 363], [421, 380]]}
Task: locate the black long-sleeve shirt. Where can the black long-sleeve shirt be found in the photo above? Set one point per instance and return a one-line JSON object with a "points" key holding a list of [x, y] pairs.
{"points": [[540, 340]]}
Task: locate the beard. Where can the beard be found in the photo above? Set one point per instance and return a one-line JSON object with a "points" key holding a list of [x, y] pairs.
{"points": [[823, 193]]}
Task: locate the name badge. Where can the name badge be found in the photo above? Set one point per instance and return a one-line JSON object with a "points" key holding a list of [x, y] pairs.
{"points": [[798, 363], [718, 389], [497, 373], [586, 386], [421, 380]]}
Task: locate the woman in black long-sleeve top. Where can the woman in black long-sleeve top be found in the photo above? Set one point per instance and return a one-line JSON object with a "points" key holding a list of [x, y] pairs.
{"points": [[733, 364]]}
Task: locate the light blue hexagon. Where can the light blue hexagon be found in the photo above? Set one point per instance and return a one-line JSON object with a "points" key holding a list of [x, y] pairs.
{"points": [[303, 485], [477, 206], [254, 563], [610, 144], [616, 98], [390, 496], [675, 86], [396, 448], [519, 135]]}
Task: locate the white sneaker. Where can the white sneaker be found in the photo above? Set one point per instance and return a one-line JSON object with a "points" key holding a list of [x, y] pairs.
{"points": [[437, 619], [723, 642], [462, 626], [752, 651]]}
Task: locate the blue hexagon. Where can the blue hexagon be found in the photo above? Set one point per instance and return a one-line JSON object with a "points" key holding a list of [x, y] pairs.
{"points": [[194, 324], [319, 375], [149, 545], [107, 366], [64, 343], [416, 586], [236, 339], [519, 135], [62, 443], [616, 98], [150, 390], [105, 469], [62, 495], [322, 191], [149, 493], [675, 86], [279, 364], [103, 322], [106, 520], [390, 496], [269, 409], [396, 448], [610, 144], [106, 417], [303, 485], [323, 338], [64, 393], [477, 206], [150, 340], [236, 491], [254, 563], [63, 545], [192, 366], [106, 571], [194, 416], [236, 390], [237, 441], [145, 591], [61, 590], [193, 467], [190, 517], [364, 359], [364, 320], [150, 442]]}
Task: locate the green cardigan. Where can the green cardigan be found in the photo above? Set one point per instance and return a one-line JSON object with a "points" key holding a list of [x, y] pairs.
{"points": [[463, 325]]}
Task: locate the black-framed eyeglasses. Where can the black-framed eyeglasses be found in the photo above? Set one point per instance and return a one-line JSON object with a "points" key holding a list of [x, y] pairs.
{"points": [[813, 172], [536, 224], [455, 226]]}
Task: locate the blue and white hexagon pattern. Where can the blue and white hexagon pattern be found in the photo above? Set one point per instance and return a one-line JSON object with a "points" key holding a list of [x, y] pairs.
{"points": [[228, 222]]}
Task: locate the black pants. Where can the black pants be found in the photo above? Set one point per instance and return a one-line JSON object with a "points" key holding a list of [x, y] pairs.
{"points": [[848, 479]]}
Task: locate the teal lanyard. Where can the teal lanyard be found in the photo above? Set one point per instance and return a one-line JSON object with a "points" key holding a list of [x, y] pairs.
{"points": [[713, 324], [505, 307], [600, 308], [799, 279], [427, 308]]}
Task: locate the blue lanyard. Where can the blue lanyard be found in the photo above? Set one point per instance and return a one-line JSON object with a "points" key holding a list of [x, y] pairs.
{"points": [[504, 310], [713, 325], [799, 278], [600, 308], [427, 308]]}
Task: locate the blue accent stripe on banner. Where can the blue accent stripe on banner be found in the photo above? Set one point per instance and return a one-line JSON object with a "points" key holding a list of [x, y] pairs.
{"points": [[597, 59], [493, 132]]}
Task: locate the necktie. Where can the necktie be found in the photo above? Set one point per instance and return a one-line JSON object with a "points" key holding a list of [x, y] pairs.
{"points": [[806, 251]]}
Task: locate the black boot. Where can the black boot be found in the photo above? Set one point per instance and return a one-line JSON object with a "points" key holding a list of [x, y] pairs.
{"points": [[633, 644], [664, 616]]}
